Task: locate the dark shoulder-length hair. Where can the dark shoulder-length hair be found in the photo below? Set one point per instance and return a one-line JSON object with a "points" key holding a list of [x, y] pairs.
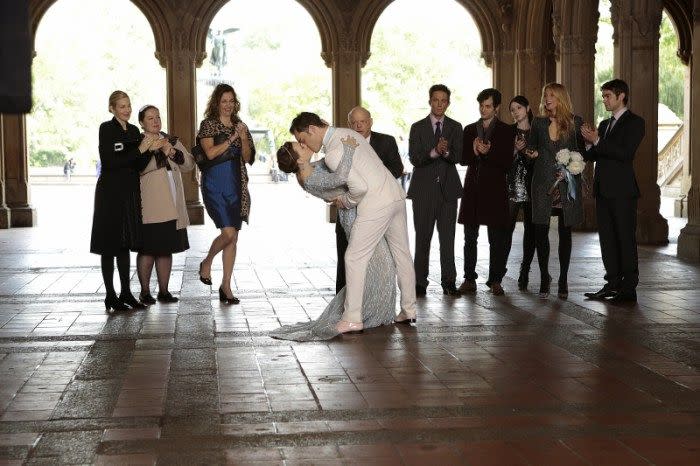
{"points": [[212, 111]]}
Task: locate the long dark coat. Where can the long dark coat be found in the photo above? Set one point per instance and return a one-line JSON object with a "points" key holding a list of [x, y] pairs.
{"points": [[485, 197], [116, 221], [544, 173]]}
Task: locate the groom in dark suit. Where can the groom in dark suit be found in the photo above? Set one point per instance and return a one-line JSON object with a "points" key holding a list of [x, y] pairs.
{"points": [[612, 146], [434, 148], [386, 148]]}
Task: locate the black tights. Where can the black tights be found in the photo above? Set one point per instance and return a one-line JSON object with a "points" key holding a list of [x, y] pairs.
{"points": [[123, 264], [144, 267], [542, 247]]}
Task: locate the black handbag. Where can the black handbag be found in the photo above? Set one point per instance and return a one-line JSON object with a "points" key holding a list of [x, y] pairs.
{"points": [[204, 163]]}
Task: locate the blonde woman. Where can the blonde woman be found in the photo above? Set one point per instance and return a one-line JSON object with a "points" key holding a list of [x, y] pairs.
{"points": [[555, 129]]}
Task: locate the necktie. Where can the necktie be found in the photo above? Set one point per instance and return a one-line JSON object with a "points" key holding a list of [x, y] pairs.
{"points": [[438, 130], [610, 125]]}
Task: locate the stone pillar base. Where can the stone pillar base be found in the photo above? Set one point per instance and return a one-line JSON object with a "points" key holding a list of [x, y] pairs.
{"points": [[689, 243], [22, 217], [196, 213], [652, 228], [680, 207], [4, 218]]}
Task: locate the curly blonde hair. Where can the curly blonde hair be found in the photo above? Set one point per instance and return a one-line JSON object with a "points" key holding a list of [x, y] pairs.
{"points": [[563, 115]]}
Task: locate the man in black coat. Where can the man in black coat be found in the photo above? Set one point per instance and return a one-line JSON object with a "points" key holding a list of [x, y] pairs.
{"points": [[386, 148], [612, 146], [435, 148]]}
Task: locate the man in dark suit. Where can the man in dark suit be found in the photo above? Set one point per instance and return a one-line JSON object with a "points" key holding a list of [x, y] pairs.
{"points": [[612, 146], [488, 152], [386, 148], [434, 148]]}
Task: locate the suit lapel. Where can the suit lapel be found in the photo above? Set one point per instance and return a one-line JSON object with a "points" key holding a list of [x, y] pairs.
{"points": [[617, 124]]}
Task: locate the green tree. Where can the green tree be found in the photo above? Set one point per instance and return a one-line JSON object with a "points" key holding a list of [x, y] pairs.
{"points": [[671, 69]]}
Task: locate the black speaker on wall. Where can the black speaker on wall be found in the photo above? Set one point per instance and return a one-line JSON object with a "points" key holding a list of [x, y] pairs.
{"points": [[15, 57]]}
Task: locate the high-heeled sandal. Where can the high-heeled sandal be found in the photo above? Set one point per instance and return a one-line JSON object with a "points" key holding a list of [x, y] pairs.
{"points": [[131, 301], [112, 302], [203, 279], [225, 299], [544, 286], [563, 290]]}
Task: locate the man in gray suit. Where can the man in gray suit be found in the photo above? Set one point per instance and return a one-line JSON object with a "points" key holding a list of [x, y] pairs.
{"points": [[434, 148]]}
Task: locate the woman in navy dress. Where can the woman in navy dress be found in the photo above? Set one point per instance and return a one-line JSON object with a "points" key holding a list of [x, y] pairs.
{"points": [[116, 223], [228, 146]]}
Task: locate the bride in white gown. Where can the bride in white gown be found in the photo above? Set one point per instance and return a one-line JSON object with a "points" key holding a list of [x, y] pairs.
{"points": [[379, 299]]}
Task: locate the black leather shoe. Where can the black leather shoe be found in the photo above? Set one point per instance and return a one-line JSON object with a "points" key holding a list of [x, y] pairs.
{"points": [[112, 302], [450, 289], [601, 294], [421, 290], [225, 299], [523, 278], [202, 278], [626, 297], [131, 301], [166, 297], [146, 298]]}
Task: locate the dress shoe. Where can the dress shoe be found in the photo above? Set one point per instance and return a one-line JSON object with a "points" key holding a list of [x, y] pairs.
{"points": [[166, 297], [603, 293], [544, 286], [225, 299], [563, 291], [523, 278], [146, 298], [112, 302], [403, 318], [624, 297], [468, 286], [131, 301], [203, 279], [497, 289], [421, 290], [450, 289], [345, 327]]}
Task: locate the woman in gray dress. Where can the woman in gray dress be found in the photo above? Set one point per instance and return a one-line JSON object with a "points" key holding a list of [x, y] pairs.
{"points": [[379, 299], [557, 128]]}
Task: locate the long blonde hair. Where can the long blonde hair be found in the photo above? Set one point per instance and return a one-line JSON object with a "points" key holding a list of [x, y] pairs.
{"points": [[564, 115]]}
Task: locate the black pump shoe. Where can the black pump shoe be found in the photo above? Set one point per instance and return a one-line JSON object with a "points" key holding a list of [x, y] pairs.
{"points": [[166, 297], [146, 298], [131, 301], [544, 286], [203, 279], [523, 278], [225, 299], [112, 302], [563, 291]]}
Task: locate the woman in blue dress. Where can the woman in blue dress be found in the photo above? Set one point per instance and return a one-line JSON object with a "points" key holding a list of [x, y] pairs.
{"points": [[228, 146]]}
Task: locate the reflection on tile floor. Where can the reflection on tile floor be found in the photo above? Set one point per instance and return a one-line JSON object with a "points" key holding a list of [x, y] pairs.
{"points": [[480, 380]]}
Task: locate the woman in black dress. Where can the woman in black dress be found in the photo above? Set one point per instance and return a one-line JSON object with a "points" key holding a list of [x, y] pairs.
{"points": [[116, 222], [228, 146]]}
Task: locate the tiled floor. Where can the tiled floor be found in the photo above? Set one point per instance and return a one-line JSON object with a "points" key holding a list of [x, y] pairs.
{"points": [[480, 380]]}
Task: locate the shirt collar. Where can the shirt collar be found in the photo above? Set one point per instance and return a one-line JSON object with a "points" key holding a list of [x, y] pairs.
{"points": [[619, 113], [327, 137], [434, 119]]}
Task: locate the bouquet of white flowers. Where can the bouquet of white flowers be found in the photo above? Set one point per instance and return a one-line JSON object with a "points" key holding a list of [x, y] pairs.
{"points": [[569, 163]]}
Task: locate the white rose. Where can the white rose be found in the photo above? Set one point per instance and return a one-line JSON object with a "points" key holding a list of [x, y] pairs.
{"points": [[563, 156], [575, 167], [576, 157]]}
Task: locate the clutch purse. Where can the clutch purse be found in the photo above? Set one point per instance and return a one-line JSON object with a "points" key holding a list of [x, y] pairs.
{"points": [[204, 163]]}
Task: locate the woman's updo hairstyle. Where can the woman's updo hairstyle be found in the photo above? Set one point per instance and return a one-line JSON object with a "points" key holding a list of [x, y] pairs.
{"points": [[287, 158]]}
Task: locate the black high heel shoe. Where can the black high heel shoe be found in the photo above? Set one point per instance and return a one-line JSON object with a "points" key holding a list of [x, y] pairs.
{"points": [[563, 291], [523, 278], [225, 299], [131, 301], [112, 302], [544, 286], [166, 297], [203, 279]]}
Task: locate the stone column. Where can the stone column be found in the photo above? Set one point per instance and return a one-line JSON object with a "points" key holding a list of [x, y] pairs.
{"points": [[346, 65], [14, 135], [529, 75], [636, 39], [689, 239], [4, 211], [576, 30], [504, 78], [180, 64]]}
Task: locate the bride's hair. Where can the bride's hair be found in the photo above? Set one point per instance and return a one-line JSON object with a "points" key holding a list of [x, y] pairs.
{"points": [[287, 158]]}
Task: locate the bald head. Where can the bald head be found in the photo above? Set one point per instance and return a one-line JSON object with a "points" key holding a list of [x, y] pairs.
{"points": [[360, 120]]}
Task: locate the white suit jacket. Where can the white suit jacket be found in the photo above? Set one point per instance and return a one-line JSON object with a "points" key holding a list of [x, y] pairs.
{"points": [[371, 185]]}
